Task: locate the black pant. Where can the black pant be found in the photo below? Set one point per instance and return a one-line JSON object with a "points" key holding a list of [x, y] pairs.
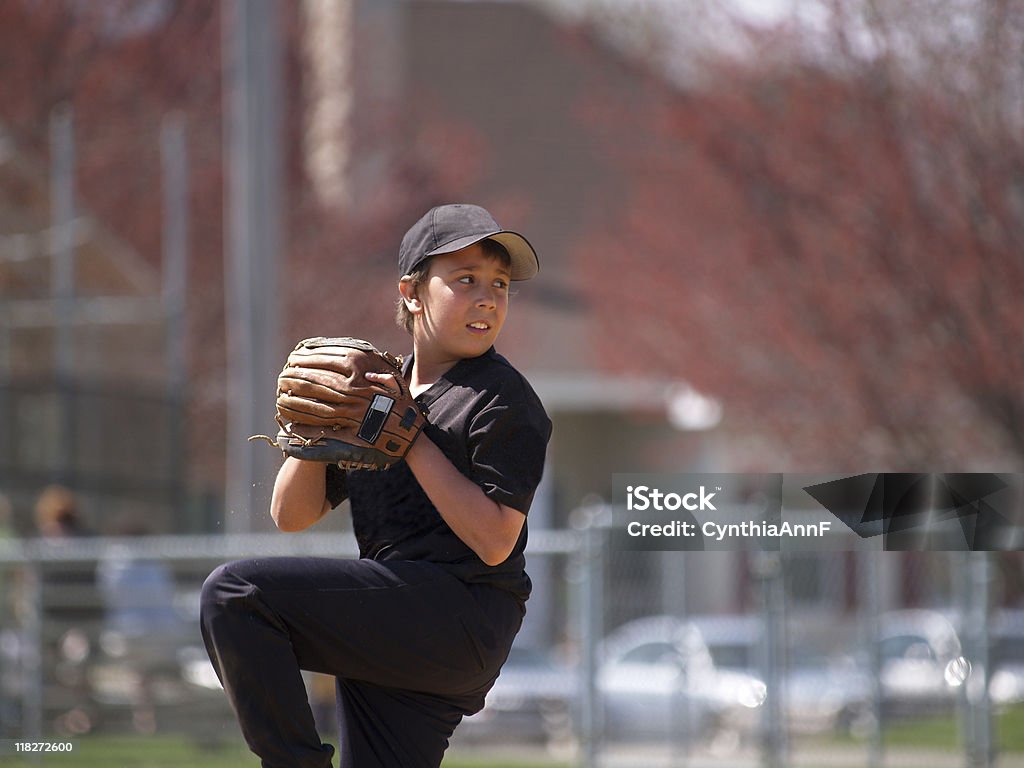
{"points": [[413, 648]]}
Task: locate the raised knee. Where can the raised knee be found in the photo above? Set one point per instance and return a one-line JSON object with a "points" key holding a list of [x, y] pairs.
{"points": [[221, 589]]}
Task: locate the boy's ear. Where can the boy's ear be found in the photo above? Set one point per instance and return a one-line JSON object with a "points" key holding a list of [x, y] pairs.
{"points": [[407, 287]]}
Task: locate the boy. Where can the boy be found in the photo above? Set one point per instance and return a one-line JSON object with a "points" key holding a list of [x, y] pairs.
{"points": [[417, 629]]}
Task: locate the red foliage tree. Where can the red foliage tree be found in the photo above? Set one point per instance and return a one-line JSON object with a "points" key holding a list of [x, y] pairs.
{"points": [[833, 246], [123, 66]]}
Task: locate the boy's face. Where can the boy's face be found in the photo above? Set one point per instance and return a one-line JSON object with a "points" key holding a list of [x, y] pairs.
{"points": [[460, 306]]}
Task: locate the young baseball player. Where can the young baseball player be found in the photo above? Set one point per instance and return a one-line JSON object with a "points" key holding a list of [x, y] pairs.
{"points": [[416, 630]]}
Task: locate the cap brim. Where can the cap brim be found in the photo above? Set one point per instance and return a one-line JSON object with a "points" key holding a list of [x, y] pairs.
{"points": [[524, 261]]}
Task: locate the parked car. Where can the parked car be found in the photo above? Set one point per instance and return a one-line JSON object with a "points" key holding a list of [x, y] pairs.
{"points": [[820, 691], [657, 678], [533, 700], [732, 640], [922, 665], [826, 692]]}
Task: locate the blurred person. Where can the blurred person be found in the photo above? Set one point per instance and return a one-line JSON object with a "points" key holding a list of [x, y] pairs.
{"points": [[142, 630], [69, 605], [68, 588], [417, 629], [57, 515], [138, 591]]}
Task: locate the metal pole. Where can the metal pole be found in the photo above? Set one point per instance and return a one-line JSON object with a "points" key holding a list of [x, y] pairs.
{"points": [[961, 593], [32, 660], [681, 739], [768, 567], [253, 242], [982, 754], [62, 282], [6, 390], [592, 623], [870, 563], [6, 373], [327, 41], [174, 168]]}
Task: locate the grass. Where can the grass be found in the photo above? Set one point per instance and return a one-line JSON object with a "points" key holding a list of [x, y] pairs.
{"points": [[176, 752], [136, 752], [455, 762], [944, 733], [940, 733]]}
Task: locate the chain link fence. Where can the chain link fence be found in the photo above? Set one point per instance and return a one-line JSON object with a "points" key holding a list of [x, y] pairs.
{"points": [[627, 658], [118, 445], [860, 658]]}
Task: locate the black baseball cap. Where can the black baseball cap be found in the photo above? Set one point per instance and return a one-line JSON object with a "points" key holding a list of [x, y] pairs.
{"points": [[449, 228]]}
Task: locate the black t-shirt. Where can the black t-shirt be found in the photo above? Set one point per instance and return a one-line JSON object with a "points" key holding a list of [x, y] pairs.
{"points": [[488, 421]]}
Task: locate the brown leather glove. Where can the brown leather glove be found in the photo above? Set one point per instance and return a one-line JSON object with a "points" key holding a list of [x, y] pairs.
{"points": [[328, 411]]}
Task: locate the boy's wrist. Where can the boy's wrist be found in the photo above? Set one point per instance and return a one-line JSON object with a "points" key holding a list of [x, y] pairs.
{"points": [[415, 451]]}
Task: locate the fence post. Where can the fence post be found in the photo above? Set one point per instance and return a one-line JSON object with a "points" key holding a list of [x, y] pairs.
{"points": [[768, 569], [174, 177], [682, 739], [981, 751], [869, 564], [62, 281], [32, 653], [591, 521]]}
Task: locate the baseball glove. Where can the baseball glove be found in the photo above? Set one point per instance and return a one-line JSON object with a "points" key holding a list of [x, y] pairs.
{"points": [[328, 411]]}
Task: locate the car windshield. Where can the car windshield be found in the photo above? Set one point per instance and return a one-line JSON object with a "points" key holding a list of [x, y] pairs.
{"points": [[652, 653], [732, 655], [906, 647]]}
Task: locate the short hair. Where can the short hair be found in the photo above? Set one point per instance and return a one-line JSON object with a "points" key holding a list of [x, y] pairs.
{"points": [[403, 317], [56, 508]]}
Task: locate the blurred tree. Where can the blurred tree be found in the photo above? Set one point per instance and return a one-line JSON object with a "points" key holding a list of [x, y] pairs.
{"points": [[123, 65], [826, 231]]}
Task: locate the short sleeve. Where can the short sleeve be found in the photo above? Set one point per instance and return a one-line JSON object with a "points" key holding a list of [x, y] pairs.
{"points": [[507, 443], [336, 482]]}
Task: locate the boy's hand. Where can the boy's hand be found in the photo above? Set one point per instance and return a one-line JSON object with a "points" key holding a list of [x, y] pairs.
{"points": [[386, 380]]}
